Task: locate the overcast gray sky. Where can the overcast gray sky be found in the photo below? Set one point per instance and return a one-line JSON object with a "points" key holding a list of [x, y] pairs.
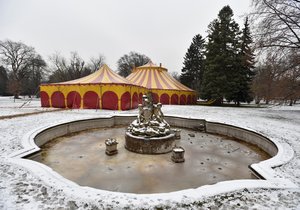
{"points": [[160, 29]]}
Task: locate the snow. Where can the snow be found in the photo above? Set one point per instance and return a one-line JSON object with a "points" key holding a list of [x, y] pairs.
{"points": [[21, 188]]}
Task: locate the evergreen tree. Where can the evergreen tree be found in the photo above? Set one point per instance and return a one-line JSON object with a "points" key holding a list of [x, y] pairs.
{"points": [[222, 60], [192, 71], [3, 81], [245, 71]]}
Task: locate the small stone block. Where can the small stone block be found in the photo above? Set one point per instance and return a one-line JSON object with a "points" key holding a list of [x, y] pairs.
{"points": [[177, 133], [178, 155], [111, 152], [191, 134], [178, 160]]}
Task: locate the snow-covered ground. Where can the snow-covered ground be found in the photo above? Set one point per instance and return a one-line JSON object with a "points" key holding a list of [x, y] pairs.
{"points": [[22, 189]]}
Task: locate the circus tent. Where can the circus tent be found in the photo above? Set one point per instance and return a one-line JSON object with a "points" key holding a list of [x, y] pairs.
{"points": [[165, 89], [103, 89]]}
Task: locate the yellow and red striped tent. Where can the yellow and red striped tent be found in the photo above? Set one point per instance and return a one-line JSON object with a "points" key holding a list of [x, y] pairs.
{"points": [[103, 89], [165, 89]]}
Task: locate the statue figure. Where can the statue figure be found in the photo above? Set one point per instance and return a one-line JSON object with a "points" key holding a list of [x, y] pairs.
{"points": [[141, 117], [150, 120], [157, 113]]}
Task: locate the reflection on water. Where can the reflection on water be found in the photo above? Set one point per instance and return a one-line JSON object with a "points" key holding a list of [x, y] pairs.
{"points": [[209, 159]]}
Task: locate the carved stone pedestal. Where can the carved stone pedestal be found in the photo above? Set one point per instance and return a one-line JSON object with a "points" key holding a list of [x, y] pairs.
{"points": [[111, 146], [145, 145]]}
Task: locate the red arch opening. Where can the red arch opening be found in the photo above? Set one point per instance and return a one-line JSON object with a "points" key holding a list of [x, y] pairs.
{"points": [[140, 98], [91, 100], [182, 100], [125, 101], [155, 98], [110, 100], [58, 99], [189, 99], [73, 100], [165, 99], [174, 99], [44, 99], [135, 101]]}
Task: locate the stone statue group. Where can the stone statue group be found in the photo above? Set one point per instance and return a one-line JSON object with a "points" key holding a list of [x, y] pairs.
{"points": [[150, 120]]}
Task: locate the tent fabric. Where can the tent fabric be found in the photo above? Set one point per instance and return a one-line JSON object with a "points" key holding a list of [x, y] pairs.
{"points": [[73, 100], [165, 89], [155, 77], [103, 89]]}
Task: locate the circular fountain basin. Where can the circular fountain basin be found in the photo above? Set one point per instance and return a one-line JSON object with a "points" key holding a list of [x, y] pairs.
{"points": [[209, 159], [147, 145]]}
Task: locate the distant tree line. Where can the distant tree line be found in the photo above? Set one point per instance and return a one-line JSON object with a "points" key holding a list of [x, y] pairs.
{"points": [[75, 67], [224, 67], [22, 69]]}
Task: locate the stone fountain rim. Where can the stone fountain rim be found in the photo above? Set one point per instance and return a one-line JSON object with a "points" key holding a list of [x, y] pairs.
{"points": [[264, 169]]}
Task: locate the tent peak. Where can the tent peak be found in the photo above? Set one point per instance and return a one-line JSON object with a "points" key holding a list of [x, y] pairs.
{"points": [[150, 64]]}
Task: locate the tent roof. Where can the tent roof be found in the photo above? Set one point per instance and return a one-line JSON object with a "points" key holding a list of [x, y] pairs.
{"points": [[155, 77], [102, 76]]}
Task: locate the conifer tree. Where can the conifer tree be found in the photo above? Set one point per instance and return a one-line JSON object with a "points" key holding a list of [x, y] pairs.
{"points": [[3, 81], [193, 65], [222, 60], [245, 71]]}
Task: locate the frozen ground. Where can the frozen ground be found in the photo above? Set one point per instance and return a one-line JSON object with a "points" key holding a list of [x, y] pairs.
{"points": [[21, 189]]}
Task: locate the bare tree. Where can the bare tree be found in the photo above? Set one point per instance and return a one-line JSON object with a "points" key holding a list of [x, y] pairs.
{"points": [[38, 71], [64, 70], [17, 57], [277, 23], [96, 62], [288, 87], [278, 78], [76, 66], [277, 36], [175, 75], [58, 67], [129, 61], [73, 68]]}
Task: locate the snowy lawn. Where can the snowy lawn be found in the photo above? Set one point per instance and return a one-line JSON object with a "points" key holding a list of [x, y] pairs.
{"points": [[22, 189]]}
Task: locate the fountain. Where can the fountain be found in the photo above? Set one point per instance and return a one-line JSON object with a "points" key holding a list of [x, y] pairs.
{"points": [[149, 133], [85, 151]]}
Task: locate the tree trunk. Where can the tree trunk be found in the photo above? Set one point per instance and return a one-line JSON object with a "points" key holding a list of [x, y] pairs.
{"points": [[218, 102], [267, 101], [257, 100]]}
